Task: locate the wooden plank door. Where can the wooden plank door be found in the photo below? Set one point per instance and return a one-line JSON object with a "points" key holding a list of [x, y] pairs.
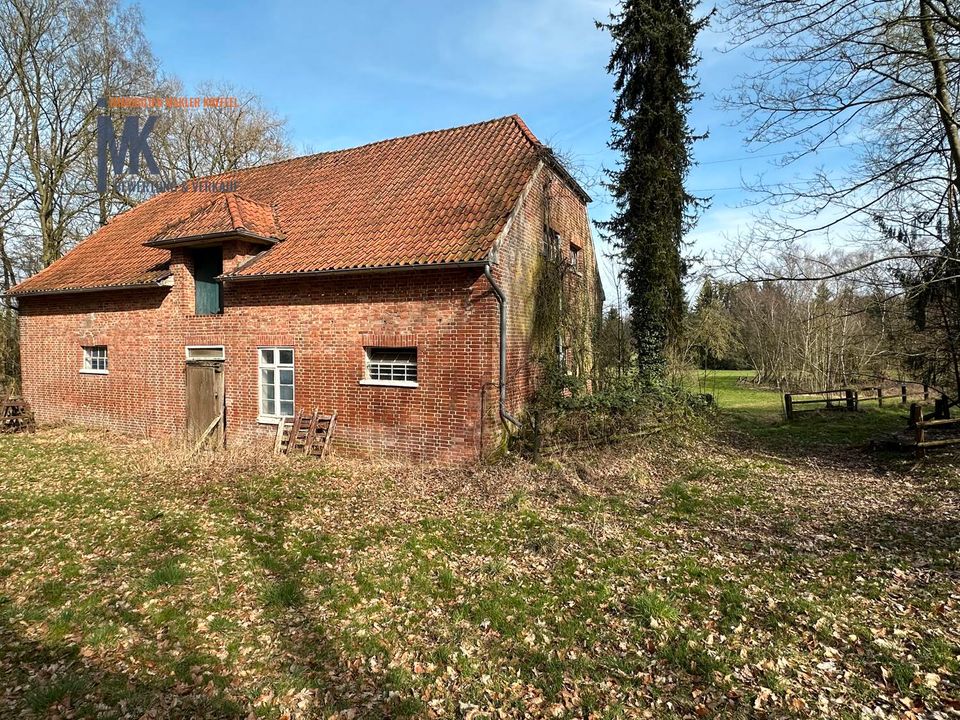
{"points": [[204, 400]]}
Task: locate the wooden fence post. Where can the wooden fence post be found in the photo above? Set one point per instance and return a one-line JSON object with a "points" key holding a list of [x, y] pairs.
{"points": [[940, 408], [879, 397], [903, 394], [788, 405], [916, 421], [851, 400], [916, 414]]}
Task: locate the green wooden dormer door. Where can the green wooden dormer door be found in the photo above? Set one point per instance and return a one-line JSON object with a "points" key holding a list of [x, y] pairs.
{"points": [[208, 293]]}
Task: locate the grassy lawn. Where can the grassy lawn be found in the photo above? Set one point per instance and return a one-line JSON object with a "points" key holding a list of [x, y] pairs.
{"points": [[759, 414], [750, 569]]}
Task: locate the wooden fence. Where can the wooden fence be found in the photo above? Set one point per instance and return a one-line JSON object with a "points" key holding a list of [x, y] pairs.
{"points": [[842, 399], [922, 425], [850, 398], [904, 393]]}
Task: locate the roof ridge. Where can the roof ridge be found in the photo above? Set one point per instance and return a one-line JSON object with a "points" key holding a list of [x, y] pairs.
{"points": [[188, 214], [236, 217], [527, 132], [518, 121]]}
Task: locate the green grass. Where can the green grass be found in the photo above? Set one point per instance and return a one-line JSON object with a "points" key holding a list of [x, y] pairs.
{"points": [[759, 414], [169, 572], [285, 593], [698, 574]]}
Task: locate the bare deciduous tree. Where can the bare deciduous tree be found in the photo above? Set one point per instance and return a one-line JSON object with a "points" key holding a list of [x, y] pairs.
{"points": [[60, 56], [193, 143], [883, 78]]}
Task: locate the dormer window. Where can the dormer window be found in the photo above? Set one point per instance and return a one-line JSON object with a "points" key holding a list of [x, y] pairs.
{"points": [[226, 218]]}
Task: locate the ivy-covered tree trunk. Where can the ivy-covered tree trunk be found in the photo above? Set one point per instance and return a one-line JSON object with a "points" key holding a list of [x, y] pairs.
{"points": [[652, 63]]}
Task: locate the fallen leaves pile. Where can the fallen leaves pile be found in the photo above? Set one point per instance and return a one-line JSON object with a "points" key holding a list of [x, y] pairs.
{"points": [[664, 578]]}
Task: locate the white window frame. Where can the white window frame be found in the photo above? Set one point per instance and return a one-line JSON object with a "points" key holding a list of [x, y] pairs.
{"points": [[90, 361], [221, 356], [367, 380], [576, 255], [276, 366]]}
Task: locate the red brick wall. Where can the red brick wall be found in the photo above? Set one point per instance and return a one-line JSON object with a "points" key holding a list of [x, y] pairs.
{"points": [[450, 316], [549, 202]]}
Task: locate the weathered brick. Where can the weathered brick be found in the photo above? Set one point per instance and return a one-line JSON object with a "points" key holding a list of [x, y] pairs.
{"points": [[450, 315]]}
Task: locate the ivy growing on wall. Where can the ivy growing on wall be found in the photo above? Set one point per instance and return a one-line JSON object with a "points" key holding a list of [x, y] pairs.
{"points": [[562, 318]]}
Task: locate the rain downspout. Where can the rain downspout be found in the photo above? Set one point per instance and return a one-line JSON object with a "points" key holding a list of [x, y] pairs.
{"points": [[502, 302]]}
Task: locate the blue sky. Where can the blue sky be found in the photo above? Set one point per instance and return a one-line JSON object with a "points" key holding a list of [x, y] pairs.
{"points": [[347, 73]]}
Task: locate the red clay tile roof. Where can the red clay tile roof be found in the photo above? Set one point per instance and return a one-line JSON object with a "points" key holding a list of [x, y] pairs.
{"points": [[434, 198], [224, 214]]}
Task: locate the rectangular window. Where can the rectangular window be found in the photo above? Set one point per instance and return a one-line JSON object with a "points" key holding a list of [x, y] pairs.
{"points": [[95, 359], [551, 242], [208, 292], [575, 257], [391, 366], [205, 352], [276, 381]]}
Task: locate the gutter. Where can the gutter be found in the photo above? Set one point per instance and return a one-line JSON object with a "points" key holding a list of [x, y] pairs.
{"points": [[193, 240], [502, 302], [353, 271], [102, 288]]}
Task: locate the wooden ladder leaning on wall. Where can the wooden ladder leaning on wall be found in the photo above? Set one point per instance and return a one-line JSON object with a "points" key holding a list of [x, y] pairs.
{"points": [[305, 433]]}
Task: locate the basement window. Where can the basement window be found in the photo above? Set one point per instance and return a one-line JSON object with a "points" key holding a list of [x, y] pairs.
{"points": [[390, 366], [275, 365], [95, 360]]}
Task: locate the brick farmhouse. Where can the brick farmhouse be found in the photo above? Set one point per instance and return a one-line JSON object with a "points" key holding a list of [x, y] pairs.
{"points": [[397, 283]]}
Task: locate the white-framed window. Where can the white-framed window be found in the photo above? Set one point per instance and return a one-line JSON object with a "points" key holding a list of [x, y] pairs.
{"points": [[390, 366], [95, 360], [575, 254], [275, 365], [205, 352]]}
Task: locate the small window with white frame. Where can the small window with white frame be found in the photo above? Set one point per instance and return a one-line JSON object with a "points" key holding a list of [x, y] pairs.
{"points": [[275, 366], [95, 360], [205, 352], [391, 366]]}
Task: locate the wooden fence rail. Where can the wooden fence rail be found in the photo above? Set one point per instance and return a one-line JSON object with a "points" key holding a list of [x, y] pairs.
{"points": [[850, 398], [880, 395], [922, 425], [847, 400]]}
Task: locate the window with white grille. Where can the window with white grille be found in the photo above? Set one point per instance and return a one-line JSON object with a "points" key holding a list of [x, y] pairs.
{"points": [[95, 359], [276, 381], [391, 366]]}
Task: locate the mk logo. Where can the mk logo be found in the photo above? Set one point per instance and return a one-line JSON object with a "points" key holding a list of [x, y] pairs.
{"points": [[132, 146]]}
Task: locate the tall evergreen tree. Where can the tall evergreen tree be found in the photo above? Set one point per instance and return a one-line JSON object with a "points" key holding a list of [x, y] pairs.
{"points": [[653, 63]]}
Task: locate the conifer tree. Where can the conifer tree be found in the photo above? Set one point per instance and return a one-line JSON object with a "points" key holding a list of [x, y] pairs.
{"points": [[652, 63]]}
